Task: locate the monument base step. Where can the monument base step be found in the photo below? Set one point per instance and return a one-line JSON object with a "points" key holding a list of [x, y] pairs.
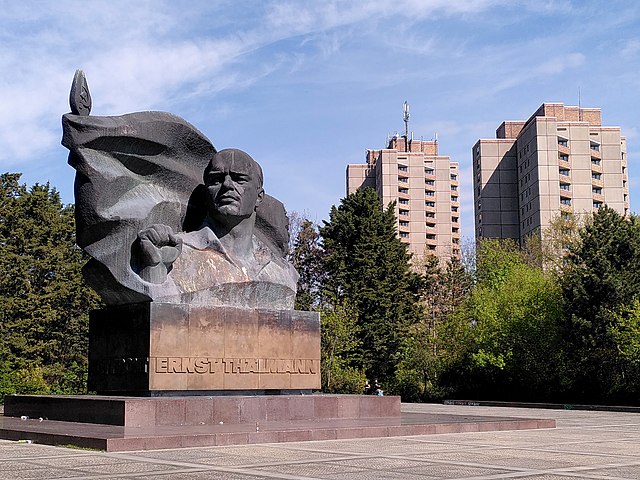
{"points": [[176, 429]]}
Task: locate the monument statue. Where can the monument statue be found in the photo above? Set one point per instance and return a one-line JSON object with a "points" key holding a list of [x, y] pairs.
{"points": [[198, 225], [188, 253]]}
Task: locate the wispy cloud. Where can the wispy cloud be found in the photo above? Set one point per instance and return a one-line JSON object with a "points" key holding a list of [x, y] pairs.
{"points": [[137, 54]]}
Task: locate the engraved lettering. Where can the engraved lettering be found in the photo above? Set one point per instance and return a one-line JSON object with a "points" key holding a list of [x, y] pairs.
{"points": [[215, 365], [175, 365], [188, 364], [244, 365], [262, 365], [161, 365], [252, 365], [314, 366], [210, 365], [201, 365], [272, 365]]}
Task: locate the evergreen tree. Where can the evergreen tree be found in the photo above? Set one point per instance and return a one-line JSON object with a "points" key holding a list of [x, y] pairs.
{"points": [[44, 302], [366, 264], [601, 281]]}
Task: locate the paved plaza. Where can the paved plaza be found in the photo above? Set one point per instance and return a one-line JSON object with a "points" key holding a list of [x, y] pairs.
{"points": [[587, 445]]}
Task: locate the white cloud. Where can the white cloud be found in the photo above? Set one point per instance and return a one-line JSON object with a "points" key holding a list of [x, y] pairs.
{"points": [[135, 53]]}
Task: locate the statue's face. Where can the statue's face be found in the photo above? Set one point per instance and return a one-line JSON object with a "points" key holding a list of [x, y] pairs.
{"points": [[233, 184]]}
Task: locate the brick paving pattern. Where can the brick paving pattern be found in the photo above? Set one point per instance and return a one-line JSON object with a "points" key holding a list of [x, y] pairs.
{"points": [[585, 445]]}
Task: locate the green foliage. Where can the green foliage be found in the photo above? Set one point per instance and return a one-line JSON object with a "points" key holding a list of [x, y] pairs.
{"points": [[625, 331], [306, 257], [433, 342], [44, 303], [601, 281], [512, 320], [368, 265], [341, 350]]}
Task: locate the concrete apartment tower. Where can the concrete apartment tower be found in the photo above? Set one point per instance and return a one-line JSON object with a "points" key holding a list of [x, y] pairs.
{"points": [[425, 187], [560, 161]]}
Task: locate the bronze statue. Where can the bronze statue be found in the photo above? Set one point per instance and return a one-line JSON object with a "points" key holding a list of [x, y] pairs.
{"points": [[159, 229]]}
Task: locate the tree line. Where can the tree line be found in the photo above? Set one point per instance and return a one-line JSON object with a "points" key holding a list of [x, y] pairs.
{"points": [[558, 321]]}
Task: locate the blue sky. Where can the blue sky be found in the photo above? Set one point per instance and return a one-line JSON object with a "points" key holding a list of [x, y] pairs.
{"points": [[306, 87]]}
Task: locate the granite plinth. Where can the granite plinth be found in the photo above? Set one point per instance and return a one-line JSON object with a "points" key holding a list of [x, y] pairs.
{"points": [[156, 423], [154, 348], [141, 412]]}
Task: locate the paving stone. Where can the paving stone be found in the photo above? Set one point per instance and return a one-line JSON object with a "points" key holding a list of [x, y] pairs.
{"points": [[586, 445]]}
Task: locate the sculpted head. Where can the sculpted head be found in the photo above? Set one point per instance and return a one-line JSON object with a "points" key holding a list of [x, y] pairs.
{"points": [[234, 185]]}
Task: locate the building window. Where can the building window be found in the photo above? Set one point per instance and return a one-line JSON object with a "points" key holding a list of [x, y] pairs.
{"points": [[403, 201], [565, 186], [597, 204], [430, 214], [431, 236], [403, 223], [454, 188], [402, 168], [595, 161], [596, 176], [596, 190], [428, 171], [454, 199], [429, 204], [455, 230], [404, 235], [565, 201], [455, 219], [564, 171], [595, 147], [403, 179], [428, 182], [404, 212], [403, 190], [454, 176], [564, 157], [455, 240], [563, 142], [565, 215], [429, 193], [455, 209]]}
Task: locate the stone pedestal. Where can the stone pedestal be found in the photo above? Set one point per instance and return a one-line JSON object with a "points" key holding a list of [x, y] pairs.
{"points": [[159, 348]]}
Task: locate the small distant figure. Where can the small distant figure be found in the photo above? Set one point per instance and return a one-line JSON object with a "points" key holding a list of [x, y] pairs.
{"points": [[373, 388]]}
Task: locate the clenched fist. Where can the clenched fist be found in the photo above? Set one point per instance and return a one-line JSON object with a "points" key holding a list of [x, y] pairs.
{"points": [[157, 249]]}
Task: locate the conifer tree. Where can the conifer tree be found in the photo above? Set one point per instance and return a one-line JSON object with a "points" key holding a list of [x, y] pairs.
{"points": [[44, 302], [367, 264], [601, 282]]}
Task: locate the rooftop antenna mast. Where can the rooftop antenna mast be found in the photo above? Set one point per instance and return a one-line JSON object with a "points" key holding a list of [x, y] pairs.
{"points": [[405, 109], [579, 105]]}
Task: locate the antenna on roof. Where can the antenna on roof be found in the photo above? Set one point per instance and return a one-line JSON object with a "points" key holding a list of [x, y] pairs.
{"points": [[579, 104], [405, 109]]}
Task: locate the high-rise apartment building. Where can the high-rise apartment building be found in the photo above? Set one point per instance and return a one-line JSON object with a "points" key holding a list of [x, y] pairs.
{"points": [[426, 190], [560, 161]]}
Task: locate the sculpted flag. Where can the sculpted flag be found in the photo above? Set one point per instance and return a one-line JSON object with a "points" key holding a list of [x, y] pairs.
{"points": [[134, 171]]}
